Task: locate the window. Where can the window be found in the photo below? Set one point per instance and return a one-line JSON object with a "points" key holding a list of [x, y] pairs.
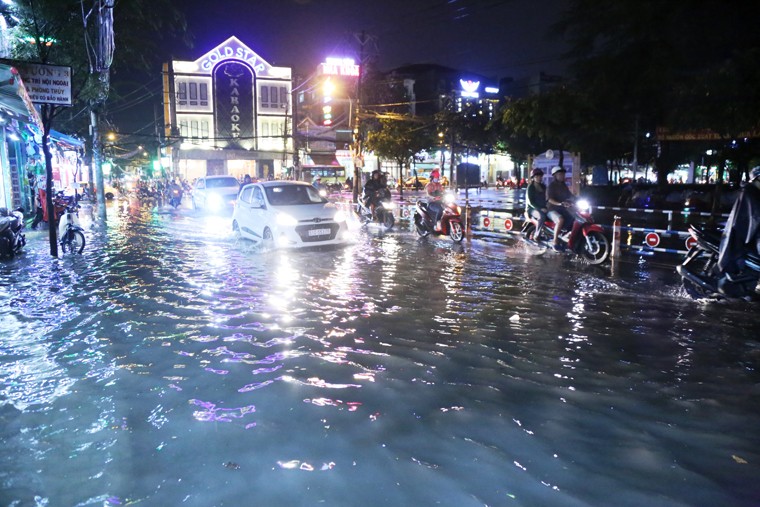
{"points": [[245, 195], [273, 97], [258, 197], [192, 93], [194, 127]]}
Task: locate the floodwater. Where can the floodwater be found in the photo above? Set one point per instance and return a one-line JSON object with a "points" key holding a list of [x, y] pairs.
{"points": [[171, 365]]}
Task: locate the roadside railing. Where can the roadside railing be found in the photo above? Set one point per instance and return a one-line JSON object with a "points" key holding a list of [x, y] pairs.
{"points": [[505, 218]]}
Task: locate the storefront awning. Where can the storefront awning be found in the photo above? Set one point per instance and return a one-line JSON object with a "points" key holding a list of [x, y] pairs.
{"points": [[67, 141], [14, 100], [321, 159]]}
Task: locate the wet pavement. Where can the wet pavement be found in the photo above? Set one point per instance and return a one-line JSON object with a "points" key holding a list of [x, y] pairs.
{"points": [[172, 365]]}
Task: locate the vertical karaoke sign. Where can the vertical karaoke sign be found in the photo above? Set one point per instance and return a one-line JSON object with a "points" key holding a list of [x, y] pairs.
{"points": [[233, 103]]}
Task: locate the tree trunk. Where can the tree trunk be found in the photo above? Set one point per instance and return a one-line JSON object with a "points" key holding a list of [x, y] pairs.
{"points": [[47, 120]]}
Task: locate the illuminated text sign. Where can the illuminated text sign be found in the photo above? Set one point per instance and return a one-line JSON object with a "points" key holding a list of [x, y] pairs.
{"points": [[340, 67]]}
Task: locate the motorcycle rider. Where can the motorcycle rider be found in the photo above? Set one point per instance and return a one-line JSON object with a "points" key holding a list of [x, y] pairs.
{"points": [[742, 233], [535, 201], [434, 191], [371, 190], [173, 189], [558, 199]]}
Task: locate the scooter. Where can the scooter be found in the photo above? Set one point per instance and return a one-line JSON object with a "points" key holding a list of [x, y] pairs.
{"points": [[585, 238], [175, 196], [12, 238], [383, 210], [449, 223], [701, 277]]}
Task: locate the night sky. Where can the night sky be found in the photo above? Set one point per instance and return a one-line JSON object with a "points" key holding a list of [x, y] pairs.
{"points": [[496, 38]]}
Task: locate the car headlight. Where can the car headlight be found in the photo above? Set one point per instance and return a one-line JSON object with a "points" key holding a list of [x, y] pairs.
{"points": [[583, 205], [286, 220], [340, 216], [214, 201], [389, 205]]}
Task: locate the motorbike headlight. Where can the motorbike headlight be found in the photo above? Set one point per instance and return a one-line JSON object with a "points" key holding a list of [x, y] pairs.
{"points": [[340, 216], [389, 205], [449, 198], [323, 193], [583, 205], [286, 220]]}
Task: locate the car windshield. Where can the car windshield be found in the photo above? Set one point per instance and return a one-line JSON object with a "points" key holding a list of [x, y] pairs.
{"points": [[293, 195], [221, 182]]}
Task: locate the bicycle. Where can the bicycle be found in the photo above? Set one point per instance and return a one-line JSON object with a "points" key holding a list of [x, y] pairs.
{"points": [[70, 233]]}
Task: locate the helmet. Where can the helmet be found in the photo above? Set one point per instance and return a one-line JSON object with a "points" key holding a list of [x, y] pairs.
{"points": [[754, 173], [557, 169], [536, 172], [435, 174]]}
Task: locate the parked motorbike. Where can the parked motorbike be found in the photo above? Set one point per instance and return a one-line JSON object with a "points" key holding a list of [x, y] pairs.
{"points": [[12, 237], [70, 232], [585, 238], [701, 277], [449, 223], [383, 210]]}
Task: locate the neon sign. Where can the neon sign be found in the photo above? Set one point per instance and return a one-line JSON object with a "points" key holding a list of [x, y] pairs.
{"points": [[340, 67], [469, 88], [232, 49]]}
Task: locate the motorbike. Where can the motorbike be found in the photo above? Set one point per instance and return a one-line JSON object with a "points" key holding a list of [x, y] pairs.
{"points": [[175, 196], [70, 232], [383, 210], [12, 238], [585, 238], [450, 222], [701, 277]]}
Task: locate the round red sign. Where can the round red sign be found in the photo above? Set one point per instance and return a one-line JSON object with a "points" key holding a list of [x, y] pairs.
{"points": [[653, 239], [486, 222], [690, 242], [508, 224]]}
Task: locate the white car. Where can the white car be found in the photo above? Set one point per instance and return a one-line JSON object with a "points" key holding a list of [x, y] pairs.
{"points": [[288, 214], [215, 193]]}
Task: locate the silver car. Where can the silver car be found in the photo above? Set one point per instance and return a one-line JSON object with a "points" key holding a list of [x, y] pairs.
{"points": [[215, 193]]}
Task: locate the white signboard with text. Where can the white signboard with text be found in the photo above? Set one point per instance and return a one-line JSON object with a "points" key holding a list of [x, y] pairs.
{"points": [[46, 84]]}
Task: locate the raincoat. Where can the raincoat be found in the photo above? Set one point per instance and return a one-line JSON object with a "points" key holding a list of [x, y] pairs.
{"points": [[740, 236]]}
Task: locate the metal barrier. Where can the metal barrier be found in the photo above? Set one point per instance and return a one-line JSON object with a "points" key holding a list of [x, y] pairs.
{"points": [[498, 221]]}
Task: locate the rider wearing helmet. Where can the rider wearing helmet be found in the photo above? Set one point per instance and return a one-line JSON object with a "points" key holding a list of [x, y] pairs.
{"points": [[371, 190], [741, 235], [558, 199], [434, 191], [535, 202]]}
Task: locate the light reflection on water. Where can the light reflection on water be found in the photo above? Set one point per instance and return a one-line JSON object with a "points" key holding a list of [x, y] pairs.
{"points": [[172, 365]]}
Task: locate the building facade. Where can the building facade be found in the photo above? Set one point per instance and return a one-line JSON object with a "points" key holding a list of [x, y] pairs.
{"points": [[228, 112]]}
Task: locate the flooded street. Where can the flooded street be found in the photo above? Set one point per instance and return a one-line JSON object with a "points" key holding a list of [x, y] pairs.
{"points": [[172, 365]]}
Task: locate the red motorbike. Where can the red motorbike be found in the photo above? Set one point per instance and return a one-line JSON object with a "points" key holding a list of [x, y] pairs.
{"points": [[585, 238], [449, 223]]}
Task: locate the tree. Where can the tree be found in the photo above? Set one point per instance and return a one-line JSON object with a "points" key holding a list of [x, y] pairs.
{"points": [[675, 64], [400, 139], [80, 35]]}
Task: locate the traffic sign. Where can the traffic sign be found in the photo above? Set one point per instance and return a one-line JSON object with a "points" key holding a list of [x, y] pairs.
{"points": [[690, 242], [486, 222], [653, 239], [508, 224]]}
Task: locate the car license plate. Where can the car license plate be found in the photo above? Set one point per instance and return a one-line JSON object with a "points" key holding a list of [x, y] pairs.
{"points": [[319, 232]]}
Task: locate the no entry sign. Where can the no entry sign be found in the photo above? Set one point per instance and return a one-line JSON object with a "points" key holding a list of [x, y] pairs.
{"points": [[486, 222], [690, 242], [508, 224], [653, 239]]}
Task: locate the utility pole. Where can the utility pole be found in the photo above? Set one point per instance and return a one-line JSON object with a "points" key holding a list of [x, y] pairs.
{"points": [[358, 158]]}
